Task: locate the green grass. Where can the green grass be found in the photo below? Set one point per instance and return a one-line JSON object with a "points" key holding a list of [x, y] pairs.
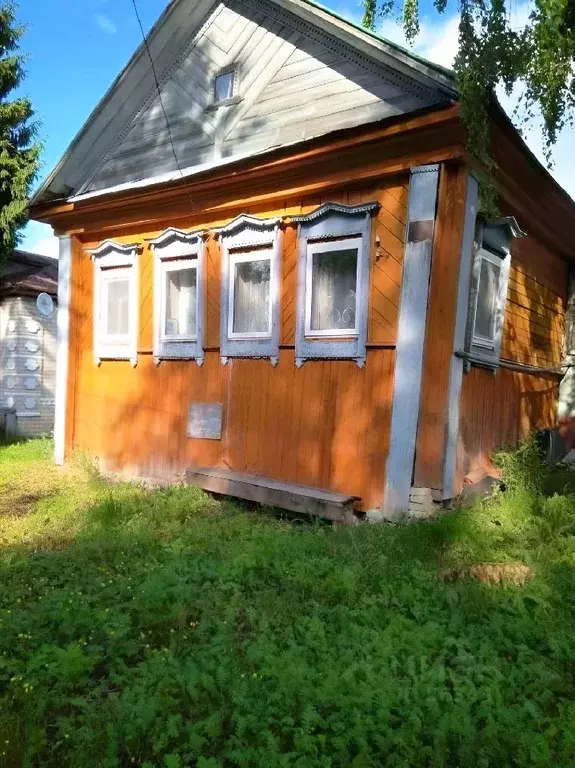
{"points": [[166, 629]]}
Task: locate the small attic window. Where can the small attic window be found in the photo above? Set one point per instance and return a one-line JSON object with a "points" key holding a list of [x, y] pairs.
{"points": [[224, 86]]}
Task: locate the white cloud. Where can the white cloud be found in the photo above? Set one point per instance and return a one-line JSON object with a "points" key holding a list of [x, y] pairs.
{"points": [[47, 246], [39, 238], [106, 24], [437, 39], [438, 42]]}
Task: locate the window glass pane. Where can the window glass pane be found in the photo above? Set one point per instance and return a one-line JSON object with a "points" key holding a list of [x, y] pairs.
{"points": [[181, 298], [224, 86], [118, 307], [252, 297], [487, 294], [334, 283]]}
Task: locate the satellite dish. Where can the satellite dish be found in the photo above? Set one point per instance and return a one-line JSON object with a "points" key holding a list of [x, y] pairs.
{"points": [[45, 304]]}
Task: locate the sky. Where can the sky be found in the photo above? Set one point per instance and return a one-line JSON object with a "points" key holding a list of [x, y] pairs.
{"points": [[76, 48]]}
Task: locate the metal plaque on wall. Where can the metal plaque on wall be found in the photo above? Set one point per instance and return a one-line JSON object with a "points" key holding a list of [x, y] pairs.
{"points": [[205, 420]]}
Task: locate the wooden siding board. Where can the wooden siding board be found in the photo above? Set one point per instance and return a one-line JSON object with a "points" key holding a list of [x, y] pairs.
{"points": [[536, 301], [500, 410]]}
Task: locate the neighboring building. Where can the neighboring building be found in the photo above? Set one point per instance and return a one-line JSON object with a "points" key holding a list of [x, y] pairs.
{"points": [[292, 280], [28, 288]]}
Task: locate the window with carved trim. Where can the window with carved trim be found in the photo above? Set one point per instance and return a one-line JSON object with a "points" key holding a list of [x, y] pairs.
{"points": [[178, 295], [251, 274], [488, 293], [333, 282], [115, 301]]}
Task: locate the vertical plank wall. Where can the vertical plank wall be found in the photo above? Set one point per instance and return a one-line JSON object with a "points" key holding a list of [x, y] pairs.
{"points": [[499, 409], [326, 424]]}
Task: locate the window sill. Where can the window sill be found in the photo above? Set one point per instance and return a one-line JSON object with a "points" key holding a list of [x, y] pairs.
{"points": [[179, 340], [480, 362], [331, 337], [247, 337], [223, 103]]}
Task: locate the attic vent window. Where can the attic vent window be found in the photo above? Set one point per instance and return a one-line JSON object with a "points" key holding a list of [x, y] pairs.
{"points": [[224, 86]]}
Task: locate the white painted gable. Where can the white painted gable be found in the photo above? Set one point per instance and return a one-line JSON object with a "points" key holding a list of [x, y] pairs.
{"points": [[295, 80]]}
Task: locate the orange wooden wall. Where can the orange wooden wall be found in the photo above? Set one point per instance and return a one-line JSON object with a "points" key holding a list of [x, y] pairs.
{"points": [[500, 409], [536, 303], [326, 424]]}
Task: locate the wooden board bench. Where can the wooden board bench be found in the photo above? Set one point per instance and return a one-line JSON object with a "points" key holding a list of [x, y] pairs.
{"points": [[303, 499]]}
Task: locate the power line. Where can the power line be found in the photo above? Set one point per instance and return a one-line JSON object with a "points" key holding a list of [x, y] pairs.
{"points": [[145, 39]]}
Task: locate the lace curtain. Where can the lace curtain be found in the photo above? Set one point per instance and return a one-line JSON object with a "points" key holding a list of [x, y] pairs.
{"points": [[252, 297], [334, 284]]}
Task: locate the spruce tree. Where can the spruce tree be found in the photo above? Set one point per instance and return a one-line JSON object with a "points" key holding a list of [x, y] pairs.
{"points": [[19, 153]]}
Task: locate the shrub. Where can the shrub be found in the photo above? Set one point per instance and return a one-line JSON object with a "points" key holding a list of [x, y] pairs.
{"points": [[167, 629]]}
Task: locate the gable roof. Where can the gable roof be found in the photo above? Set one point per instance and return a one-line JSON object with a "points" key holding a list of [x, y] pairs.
{"points": [[303, 72], [28, 274]]}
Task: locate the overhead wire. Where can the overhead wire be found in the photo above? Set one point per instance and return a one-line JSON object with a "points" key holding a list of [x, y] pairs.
{"points": [[158, 88]]}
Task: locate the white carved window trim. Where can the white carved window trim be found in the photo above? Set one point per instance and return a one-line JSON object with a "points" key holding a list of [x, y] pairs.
{"points": [[247, 238], [241, 257], [325, 247], [334, 224], [492, 244], [175, 249], [115, 261]]}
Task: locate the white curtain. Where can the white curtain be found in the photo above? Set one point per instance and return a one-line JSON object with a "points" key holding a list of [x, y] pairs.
{"points": [[181, 297], [487, 294], [334, 284], [252, 297], [118, 307]]}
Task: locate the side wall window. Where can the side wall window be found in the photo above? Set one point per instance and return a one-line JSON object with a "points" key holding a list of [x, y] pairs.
{"points": [[116, 301], [251, 274], [179, 259], [488, 293], [333, 282]]}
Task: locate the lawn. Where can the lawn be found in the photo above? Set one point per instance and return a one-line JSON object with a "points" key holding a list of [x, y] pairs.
{"points": [[164, 628]]}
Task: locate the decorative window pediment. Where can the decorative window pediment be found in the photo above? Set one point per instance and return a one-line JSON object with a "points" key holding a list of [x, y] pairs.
{"points": [[179, 287], [116, 301], [333, 282], [251, 273], [488, 292]]}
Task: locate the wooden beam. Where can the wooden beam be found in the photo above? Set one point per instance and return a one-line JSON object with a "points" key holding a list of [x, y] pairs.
{"points": [[442, 312], [423, 188], [302, 499]]}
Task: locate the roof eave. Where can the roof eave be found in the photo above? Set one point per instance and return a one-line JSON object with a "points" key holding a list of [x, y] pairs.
{"points": [[370, 44]]}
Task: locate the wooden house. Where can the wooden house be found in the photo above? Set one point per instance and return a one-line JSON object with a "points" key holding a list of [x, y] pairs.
{"points": [[28, 288], [274, 275]]}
